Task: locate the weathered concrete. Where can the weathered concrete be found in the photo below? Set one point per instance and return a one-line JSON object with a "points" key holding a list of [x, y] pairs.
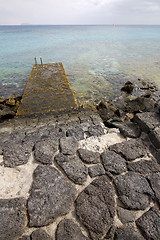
{"points": [[48, 89]]}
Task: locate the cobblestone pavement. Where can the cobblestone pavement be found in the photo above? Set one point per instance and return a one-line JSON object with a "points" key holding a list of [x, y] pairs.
{"points": [[69, 177]]}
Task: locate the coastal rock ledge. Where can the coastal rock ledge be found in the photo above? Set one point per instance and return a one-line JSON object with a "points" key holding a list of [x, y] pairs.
{"points": [[69, 177]]}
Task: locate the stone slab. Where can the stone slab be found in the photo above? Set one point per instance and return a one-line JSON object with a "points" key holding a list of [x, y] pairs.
{"points": [[52, 196], [147, 120], [68, 230], [95, 207], [12, 218], [149, 223], [155, 137], [132, 187]]}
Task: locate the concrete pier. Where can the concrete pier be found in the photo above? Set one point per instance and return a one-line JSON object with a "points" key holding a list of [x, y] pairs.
{"points": [[48, 89]]}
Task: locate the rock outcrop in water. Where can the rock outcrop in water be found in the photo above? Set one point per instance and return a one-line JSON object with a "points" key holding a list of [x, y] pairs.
{"points": [[141, 96], [8, 107]]}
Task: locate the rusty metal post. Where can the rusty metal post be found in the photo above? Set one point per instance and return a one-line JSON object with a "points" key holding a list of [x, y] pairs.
{"points": [[41, 60], [35, 61]]}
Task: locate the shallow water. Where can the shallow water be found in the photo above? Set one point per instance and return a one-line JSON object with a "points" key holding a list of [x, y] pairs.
{"points": [[97, 59]]}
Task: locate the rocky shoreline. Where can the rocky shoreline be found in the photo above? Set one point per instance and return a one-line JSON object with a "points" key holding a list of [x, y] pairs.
{"points": [[86, 174]]}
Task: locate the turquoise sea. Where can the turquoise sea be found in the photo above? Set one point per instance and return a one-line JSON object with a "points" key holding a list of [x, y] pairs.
{"points": [[97, 59]]}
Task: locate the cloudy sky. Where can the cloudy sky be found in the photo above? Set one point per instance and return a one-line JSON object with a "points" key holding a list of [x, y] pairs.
{"points": [[80, 11]]}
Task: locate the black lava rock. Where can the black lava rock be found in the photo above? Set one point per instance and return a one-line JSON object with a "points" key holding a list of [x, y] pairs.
{"points": [[52, 195], [134, 191], [73, 168], [95, 207], [149, 223], [12, 218], [88, 156], [68, 230]]}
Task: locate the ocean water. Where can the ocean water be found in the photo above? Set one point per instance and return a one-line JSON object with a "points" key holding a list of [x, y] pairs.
{"points": [[98, 59]]}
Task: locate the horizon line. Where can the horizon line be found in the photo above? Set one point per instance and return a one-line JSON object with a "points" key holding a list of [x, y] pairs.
{"points": [[114, 24]]}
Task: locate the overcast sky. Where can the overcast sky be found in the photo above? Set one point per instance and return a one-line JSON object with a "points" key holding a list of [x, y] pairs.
{"points": [[80, 11]]}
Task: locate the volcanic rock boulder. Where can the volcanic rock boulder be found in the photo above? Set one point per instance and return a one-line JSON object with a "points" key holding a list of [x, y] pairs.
{"points": [[76, 132], [96, 170], [96, 130], [149, 223], [52, 195], [95, 207], [130, 129], [155, 183], [113, 162], [40, 234], [130, 150], [89, 157], [45, 150], [68, 230], [147, 120], [128, 233], [15, 154], [12, 218], [73, 167], [68, 145], [144, 166], [134, 191]]}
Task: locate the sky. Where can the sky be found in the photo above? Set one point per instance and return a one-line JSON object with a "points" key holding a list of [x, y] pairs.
{"points": [[79, 12]]}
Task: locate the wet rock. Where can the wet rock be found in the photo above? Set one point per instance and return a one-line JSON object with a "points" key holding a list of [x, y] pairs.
{"points": [[130, 130], [68, 145], [128, 232], [96, 170], [125, 215], [106, 111], [12, 218], [6, 113], [147, 121], [134, 191], [52, 195], [73, 168], [128, 87], [144, 166], [76, 132], [130, 150], [40, 235], [138, 104], [95, 207], [15, 154], [149, 224], [68, 230], [146, 85], [96, 130], [155, 183], [88, 156], [1, 100], [155, 137], [11, 102], [113, 162], [44, 151]]}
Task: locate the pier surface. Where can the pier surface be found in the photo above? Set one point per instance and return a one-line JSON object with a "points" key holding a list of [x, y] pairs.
{"points": [[48, 89]]}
